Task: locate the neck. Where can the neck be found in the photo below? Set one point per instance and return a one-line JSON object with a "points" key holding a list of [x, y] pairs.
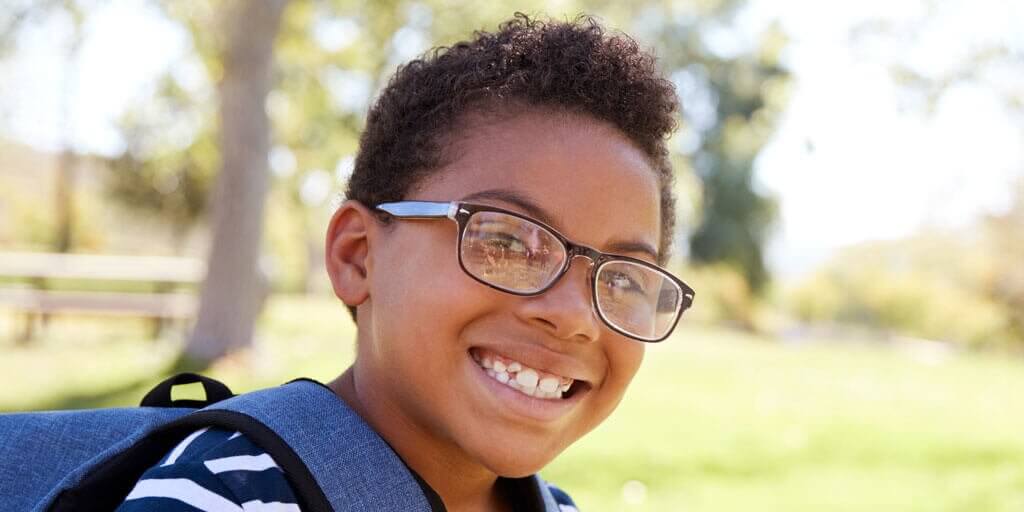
{"points": [[463, 484]]}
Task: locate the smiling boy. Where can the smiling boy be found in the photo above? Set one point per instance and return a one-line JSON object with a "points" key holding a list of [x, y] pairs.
{"points": [[499, 249], [529, 137]]}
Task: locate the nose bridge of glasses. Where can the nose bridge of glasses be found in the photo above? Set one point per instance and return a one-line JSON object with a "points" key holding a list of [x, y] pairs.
{"points": [[587, 254], [582, 251], [578, 287]]}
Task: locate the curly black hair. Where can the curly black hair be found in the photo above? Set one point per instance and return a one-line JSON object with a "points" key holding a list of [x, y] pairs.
{"points": [[572, 66]]}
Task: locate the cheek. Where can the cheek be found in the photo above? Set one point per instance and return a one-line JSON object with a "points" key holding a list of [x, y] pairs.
{"points": [[423, 296], [624, 358]]}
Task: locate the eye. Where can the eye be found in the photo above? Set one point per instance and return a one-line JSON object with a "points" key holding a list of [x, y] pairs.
{"points": [[622, 281], [506, 241]]}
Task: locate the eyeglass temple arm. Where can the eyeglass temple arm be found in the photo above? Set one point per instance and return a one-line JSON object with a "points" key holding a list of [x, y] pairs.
{"points": [[420, 209]]}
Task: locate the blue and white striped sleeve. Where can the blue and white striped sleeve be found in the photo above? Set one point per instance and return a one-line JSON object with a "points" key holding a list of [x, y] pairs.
{"points": [[213, 470]]}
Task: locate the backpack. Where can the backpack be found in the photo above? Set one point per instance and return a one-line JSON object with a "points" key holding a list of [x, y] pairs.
{"points": [[61, 461]]}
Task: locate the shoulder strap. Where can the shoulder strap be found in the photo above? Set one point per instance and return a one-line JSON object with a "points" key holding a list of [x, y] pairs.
{"points": [[315, 438]]}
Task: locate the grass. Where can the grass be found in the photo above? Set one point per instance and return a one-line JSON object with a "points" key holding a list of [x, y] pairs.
{"points": [[715, 421]]}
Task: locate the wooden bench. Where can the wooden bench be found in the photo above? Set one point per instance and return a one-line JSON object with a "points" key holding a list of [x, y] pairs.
{"points": [[38, 294]]}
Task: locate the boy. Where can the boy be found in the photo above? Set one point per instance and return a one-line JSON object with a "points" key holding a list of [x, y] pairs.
{"points": [[499, 250]]}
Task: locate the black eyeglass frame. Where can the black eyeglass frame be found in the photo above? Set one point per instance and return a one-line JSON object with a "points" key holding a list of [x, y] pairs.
{"points": [[461, 212]]}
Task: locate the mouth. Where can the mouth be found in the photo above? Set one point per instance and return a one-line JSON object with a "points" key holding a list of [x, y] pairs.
{"points": [[525, 380]]}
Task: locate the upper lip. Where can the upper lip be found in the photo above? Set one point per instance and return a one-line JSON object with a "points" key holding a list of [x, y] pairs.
{"points": [[543, 359]]}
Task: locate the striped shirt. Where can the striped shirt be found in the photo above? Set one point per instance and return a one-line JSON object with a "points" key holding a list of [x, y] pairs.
{"points": [[213, 470], [218, 470]]}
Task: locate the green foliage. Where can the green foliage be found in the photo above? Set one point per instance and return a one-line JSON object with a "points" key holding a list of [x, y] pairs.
{"points": [[168, 169], [34, 228], [735, 223], [1004, 280], [913, 305], [745, 93], [723, 297], [935, 286]]}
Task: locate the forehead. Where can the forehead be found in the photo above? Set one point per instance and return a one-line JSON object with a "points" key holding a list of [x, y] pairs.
{"points": [[595, 185]]}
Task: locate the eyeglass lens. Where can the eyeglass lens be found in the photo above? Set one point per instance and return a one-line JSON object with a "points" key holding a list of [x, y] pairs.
{"points": [[522, 257], [636, 299], [510, 253]]}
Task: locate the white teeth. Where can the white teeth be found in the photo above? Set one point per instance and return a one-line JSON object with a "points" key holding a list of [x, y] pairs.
{"points": [[548, 384], [523, 379], [527, 378]]}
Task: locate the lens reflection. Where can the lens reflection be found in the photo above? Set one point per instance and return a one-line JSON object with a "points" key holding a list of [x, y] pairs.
{"points": [[637, 299], [510, 253]]}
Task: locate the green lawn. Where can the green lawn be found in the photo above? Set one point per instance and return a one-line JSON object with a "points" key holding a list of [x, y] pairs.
{"points": [[716, 420]]}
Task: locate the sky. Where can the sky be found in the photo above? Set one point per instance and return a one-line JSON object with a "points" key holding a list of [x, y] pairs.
{"points": [[127, 45], [856, 157]]}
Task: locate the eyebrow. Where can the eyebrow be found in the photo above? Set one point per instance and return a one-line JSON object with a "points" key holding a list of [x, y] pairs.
{"points": [[620, 247], [529, 206], [516, 198]]}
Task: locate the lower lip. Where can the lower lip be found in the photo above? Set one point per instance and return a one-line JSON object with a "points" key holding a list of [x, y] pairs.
{"points": [[516, 403]]}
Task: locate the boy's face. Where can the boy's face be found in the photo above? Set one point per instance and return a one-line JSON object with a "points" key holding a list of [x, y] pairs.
{"points": [[425, 319]]}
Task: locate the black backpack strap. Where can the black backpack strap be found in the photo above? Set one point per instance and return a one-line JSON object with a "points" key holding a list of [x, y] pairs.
{"points": [[160, 396]]}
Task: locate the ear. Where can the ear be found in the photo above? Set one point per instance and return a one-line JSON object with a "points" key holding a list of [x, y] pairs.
{"points": [[347, 259]]}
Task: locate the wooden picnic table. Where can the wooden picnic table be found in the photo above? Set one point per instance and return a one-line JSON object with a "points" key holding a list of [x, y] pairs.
{"points": [[35, 291]]}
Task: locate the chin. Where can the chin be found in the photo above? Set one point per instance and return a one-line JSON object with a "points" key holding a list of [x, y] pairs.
{"points": [[511, 461]]}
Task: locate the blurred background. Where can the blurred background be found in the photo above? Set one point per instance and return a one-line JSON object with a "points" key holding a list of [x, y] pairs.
{"points": [[851, 183]]}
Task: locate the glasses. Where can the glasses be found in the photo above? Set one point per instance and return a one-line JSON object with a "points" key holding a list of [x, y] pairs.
{"points": [[518, 255]]}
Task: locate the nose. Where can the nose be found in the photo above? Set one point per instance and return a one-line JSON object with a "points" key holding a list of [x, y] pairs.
{"points": [[565, 310]]}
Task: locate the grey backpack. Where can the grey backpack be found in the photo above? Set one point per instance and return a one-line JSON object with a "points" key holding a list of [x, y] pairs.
{"points": [[90, 460]]}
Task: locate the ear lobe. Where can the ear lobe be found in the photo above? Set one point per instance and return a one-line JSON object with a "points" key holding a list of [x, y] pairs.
{"points": [[347, 252]]}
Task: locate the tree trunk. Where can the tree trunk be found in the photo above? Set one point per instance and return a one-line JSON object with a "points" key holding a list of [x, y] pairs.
{"points": [[234, 288], [64, 196]]}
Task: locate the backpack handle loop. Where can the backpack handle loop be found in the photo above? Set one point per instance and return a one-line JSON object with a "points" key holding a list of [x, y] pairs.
{"points": [[160, 396]]}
